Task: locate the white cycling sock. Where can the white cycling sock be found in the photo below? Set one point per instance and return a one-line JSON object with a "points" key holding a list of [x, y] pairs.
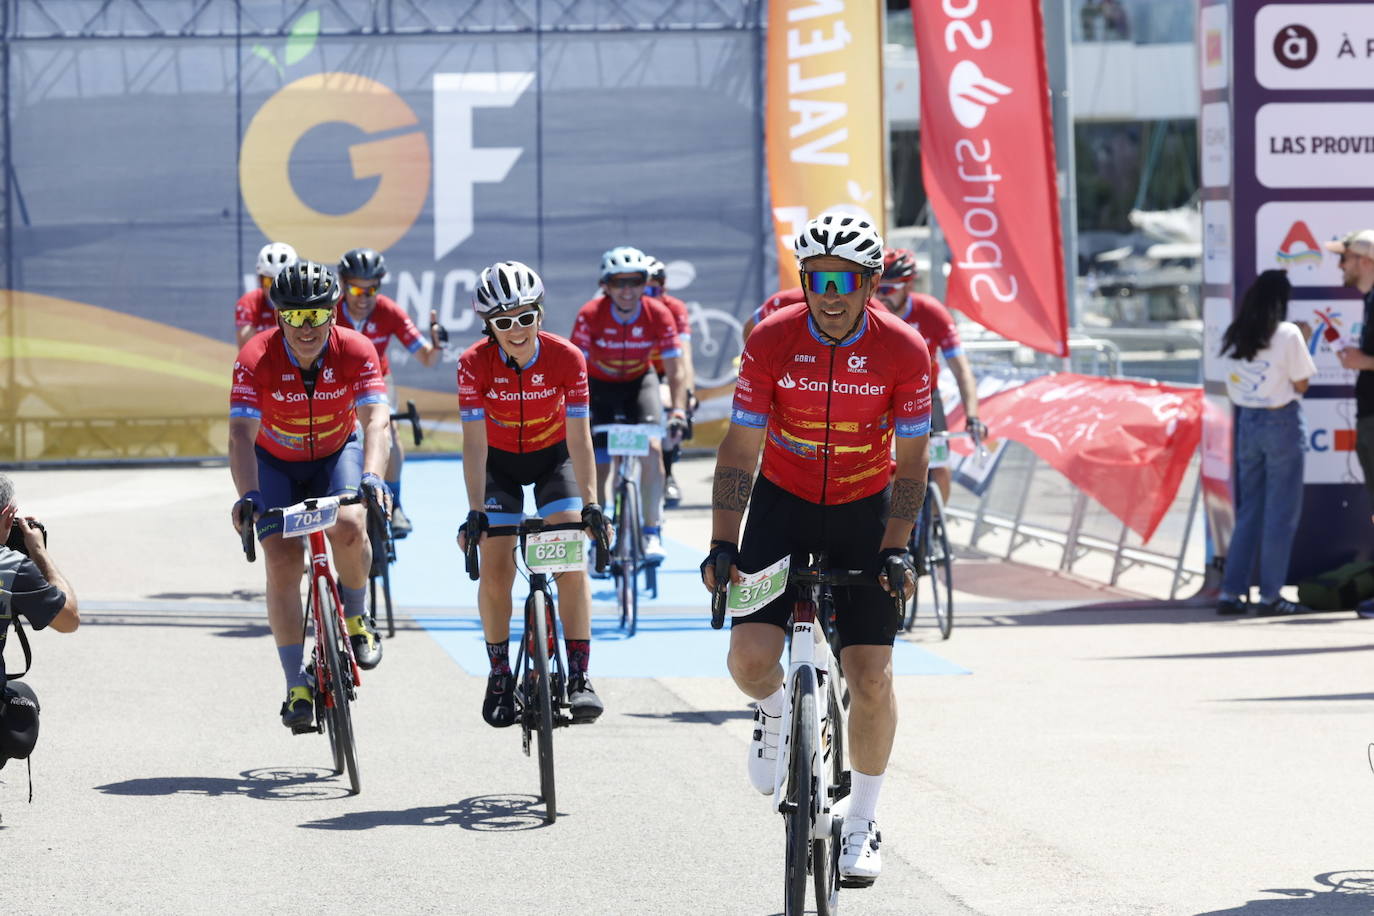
{"points": [[863, 794], [771, 704]]}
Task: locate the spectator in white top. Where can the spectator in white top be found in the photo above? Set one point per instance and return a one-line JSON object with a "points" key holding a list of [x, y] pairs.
{"points": [[1268, 368]]}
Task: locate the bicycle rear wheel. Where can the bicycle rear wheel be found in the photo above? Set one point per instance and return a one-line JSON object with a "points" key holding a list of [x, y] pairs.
{"points": [[940, 565], [801, 794], [917, 546], [627, 554], [339, 683], [539, 696]]}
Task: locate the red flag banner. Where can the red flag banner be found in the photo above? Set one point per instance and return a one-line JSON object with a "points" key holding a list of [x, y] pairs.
{"points": [[987, 158], [1125, 443]]}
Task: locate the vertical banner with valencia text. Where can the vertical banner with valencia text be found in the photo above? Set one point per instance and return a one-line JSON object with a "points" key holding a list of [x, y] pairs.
{"points": [[824, 122], [987, 158]]}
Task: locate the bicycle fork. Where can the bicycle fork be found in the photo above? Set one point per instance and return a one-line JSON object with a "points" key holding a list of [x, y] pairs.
{"points": [[808, 650]]}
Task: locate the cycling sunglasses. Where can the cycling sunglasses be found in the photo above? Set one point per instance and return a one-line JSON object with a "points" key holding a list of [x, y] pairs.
{"points": [[361, 290], [624, 282], [298, 318], [887, 289], [506, 322], [845, 281]]}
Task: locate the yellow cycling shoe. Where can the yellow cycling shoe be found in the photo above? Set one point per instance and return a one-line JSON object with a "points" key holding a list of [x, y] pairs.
{"points": [[298, 712], [367, 645]]}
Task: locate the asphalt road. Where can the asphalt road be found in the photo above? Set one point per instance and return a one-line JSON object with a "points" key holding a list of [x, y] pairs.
{"points": [[1102, 757]]}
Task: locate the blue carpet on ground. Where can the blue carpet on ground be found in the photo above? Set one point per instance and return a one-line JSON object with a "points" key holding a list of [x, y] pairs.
{"points": [[428, 580]]}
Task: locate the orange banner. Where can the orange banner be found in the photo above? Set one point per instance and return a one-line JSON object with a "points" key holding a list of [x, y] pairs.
{"points": [[824, 122]]}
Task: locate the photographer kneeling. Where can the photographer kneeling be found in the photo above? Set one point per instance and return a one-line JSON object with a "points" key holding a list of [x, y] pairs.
{"points": [[31, 586]]}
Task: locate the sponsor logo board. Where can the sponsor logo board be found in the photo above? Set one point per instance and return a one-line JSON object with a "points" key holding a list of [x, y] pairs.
{"points": [[1335, 324], [1314, 46], [1215, 125], [1216, 241], [1215, 47], [1290, 234], [1314, 145]]}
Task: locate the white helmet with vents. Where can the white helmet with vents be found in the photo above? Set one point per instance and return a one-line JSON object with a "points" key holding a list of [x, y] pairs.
{"points": [[843, 236], [624, 260], [274, 258], [507, 285]]}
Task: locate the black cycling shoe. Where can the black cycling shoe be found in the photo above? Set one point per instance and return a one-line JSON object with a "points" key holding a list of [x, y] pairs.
{"points": [[498, 708], [400, 524], [298, 712], [367, 645], [586, 705]]}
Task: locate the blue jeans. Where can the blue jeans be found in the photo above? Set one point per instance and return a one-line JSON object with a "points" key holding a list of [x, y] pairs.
{"points": [[1269, 460]]}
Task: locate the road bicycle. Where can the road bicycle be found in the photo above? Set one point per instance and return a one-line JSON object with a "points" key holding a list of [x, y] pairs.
{"points": [[810, 776], [333, 671], [930, 548], [541, 701], [627, 443], [717, 340], [383, 544]]}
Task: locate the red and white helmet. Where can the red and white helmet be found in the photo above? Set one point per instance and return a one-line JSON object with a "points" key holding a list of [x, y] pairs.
{"points": [[274, 258], [844, 236]]}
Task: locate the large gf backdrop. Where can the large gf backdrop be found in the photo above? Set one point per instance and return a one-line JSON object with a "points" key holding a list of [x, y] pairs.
{"points": [[144, 171]]}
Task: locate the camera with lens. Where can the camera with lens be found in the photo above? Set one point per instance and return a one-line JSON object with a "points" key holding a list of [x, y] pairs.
{"points": [[16, 538]]}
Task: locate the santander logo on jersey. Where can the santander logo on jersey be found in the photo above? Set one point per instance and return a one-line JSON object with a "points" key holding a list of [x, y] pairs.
{"points": [[806, 384]]}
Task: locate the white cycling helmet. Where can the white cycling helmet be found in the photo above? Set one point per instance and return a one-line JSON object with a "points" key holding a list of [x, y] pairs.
{"points": [[624, 260], [843, 236], [657, 270], [504, 286], [274, 258]]}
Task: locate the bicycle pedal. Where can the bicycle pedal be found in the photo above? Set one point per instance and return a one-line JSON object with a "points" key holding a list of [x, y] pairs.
{"points": [[310, 729], [854, 883]]}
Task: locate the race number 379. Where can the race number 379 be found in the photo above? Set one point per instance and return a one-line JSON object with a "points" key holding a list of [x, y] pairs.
{"points": [[754, 590]]}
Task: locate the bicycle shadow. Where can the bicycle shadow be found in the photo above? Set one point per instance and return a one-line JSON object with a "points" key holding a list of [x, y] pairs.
{"points": [[695, 717], [480, 813], [1350, 892], [267, 783]]}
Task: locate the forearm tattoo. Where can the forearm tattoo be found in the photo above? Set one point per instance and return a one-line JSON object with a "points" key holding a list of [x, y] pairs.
{"points": [[907, 496], [731, 488]]}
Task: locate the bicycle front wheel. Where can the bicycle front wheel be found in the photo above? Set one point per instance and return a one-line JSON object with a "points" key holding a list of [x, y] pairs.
{"points": [[940, 565], [801, 794], [825, 851], [636, 552], [539, 692], [338, 682]]}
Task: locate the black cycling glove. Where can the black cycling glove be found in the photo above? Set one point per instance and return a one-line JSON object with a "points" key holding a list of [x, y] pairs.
{"points": [[718, 549], [896, 562], [475, 526]]}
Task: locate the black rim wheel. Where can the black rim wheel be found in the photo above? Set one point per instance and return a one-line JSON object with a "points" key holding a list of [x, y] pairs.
{"points": [[538, 689], [800, 794], [340, 716]]}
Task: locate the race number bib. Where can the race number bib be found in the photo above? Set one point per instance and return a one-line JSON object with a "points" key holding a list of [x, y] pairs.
{"points": [[939, 451], [628, 440], [556, 551], [298, 520], [757, 589]]}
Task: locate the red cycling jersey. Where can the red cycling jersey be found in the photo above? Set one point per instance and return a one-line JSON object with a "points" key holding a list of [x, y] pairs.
{"points": [[387, 319], [831, 411], [526, 410], [785, 297], [618, 350], [936, 325], [295, 426], [684, 326], [255, 309]]}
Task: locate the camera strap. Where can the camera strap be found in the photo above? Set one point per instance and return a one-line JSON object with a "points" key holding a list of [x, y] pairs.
{"points": [[24, 645]]}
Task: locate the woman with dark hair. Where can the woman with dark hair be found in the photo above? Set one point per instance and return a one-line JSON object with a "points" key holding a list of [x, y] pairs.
{"points": [[1267, 370]]}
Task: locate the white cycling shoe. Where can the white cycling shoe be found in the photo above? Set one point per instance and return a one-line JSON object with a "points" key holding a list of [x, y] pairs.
{"points": [[763, 751], [653, 547], [860, 859]]}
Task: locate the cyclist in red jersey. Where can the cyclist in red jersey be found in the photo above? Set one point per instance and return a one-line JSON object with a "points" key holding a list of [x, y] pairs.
{"points": [[523, 397], [658, 289], [254, 312], [379, 318], [298, 397], [617, 332], [823, 387], [936, 325]]}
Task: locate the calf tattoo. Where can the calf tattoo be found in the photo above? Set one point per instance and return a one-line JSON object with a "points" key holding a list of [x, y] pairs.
{"points": [[730, 490], [907, 496]]}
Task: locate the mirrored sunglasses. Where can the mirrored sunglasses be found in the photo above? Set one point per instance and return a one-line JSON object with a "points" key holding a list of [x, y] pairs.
{"points": [[845, 281], [887, 289], [506, 322], [298, 318], [361, 290]]}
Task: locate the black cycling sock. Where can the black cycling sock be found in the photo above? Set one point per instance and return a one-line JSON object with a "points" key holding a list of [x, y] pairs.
{"points": [[498, 653], [579, 654]]}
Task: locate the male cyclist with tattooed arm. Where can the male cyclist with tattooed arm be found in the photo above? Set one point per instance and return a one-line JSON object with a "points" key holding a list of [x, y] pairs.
{"points": [[822, 388]]}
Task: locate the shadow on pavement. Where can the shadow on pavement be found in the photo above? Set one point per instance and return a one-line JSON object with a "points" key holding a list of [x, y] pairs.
{"points": [[695, 717], [237, 594], [1245, 653], [1316, 696], [271, 783], [482, 813], [1351, 892]]}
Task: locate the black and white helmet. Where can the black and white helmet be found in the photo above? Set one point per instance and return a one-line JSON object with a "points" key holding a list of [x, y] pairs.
{"points": [[624, 260], [504, 286], [658, 271], [850, 237], [274, 258]]}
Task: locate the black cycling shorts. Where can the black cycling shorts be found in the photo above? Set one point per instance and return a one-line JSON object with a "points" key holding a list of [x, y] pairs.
{"points": [[623, 402], [938, 423], [851, 534], [549, 469]]}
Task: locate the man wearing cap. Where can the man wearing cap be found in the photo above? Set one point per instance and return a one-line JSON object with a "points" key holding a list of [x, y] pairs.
{"points": [[1356, 252]]}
